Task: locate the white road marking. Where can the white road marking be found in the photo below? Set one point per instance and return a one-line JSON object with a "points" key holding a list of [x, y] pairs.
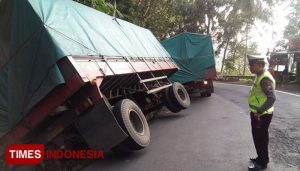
{"points": [[297, 95], [283, 92]]}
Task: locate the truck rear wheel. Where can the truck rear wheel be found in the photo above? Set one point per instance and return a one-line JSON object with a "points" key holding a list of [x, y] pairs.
{"points": [[169, 103], [179, 96], [133, 121]]}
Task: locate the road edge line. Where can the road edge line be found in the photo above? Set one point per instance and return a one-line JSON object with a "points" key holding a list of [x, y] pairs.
{"points": [[280, 91]]}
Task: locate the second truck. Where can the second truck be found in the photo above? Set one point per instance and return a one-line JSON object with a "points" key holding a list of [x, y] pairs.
{"points": [[194, 54]]}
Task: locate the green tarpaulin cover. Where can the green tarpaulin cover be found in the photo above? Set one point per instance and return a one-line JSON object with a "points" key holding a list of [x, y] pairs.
{"points": [[193, 53], [35, 34]]}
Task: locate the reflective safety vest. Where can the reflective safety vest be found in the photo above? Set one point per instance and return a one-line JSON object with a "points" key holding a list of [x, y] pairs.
{"points": [[257, 96]]}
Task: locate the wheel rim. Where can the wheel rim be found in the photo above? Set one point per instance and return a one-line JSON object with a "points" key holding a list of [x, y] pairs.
{"points": [[137, 122], [181, 94]]}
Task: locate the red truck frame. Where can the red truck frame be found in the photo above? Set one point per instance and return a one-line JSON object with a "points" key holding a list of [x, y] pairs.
{"points": [[83, 109]]}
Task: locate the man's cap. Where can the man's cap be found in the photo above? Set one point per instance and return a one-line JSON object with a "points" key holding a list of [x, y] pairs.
{"points": [[258, 58]]}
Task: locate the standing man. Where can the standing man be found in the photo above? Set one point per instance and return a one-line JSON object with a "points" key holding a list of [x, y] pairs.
{"points": [[261, 101], [285, 75]]}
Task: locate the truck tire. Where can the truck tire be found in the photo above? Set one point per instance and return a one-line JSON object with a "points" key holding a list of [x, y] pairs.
{"points": [[168, 102], [179, 96], [133, 121]]}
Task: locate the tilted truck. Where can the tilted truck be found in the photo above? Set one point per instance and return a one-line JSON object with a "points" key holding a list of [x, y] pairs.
{"points": [[72, 74], [194, 54]]}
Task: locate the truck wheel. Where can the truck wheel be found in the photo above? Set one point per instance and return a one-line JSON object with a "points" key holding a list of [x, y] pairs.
{"points": [[169, 103], [133, 121], [179, 96]]}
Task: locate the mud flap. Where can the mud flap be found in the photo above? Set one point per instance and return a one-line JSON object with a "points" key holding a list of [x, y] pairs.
{"points": [[99, 128]]}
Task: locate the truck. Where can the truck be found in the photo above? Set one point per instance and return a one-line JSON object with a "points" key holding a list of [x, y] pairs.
{"points": [[71, 75], [194, 54], [284, 66]]}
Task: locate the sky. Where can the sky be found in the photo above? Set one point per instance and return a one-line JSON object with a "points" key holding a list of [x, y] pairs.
{"points": [[261, 33]]}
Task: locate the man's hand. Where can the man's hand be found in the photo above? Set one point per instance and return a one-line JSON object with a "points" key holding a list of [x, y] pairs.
{"points": [[257, 116]]}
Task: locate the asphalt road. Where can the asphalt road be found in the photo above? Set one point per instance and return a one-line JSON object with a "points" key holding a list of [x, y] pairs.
{"points": [[214, 134]]}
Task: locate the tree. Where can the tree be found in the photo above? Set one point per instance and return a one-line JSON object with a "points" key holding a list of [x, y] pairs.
{"points": [[163, 17], [292, 29], [239, 20], [235, 61], [252, 10], [100, 5]]}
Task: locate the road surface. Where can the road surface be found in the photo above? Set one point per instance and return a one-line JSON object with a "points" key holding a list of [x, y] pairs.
{"points": [[214, 134]]}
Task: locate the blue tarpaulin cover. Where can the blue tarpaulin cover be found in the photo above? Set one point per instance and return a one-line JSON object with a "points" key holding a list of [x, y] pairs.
{"points": [[193, 53]]}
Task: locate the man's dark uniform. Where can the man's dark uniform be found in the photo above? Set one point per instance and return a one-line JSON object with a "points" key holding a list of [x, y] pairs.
{"points": [[264, 107]]}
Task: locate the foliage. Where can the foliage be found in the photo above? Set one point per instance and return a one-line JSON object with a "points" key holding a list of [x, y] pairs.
{"points": [[291, 31], [293, 27], [100, 5], [235, 61]]}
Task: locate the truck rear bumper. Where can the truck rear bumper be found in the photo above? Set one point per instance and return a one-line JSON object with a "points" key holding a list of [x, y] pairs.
{"points": [[203, 86]]}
